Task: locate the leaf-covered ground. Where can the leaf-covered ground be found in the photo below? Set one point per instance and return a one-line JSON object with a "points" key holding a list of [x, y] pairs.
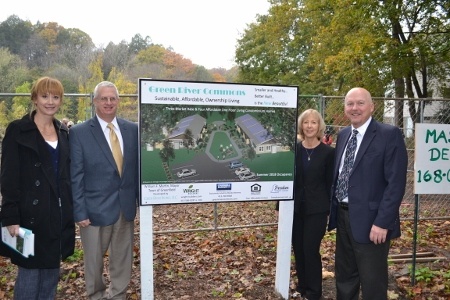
{"points": [[239, 263]]}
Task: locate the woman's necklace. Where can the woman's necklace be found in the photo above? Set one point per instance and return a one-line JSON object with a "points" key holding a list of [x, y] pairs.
{"points": [[309, 154]]}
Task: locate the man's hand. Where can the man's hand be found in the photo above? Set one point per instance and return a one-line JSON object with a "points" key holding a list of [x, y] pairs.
{"points": [[84, 223], [378, 235]]}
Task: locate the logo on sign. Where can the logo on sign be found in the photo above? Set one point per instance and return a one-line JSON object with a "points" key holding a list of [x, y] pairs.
{"points": [[190, 190], [255, 189], [279, 188], [223, 187]]}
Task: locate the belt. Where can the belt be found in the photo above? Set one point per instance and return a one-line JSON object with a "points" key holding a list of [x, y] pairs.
{"points": [[343, 205]]}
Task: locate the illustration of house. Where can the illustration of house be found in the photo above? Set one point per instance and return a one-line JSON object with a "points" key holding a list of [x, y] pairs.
{"points": [[187, 131], [256, 135]]}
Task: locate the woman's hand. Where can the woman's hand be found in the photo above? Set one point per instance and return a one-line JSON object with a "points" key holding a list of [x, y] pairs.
{"points": [[13, 230]]}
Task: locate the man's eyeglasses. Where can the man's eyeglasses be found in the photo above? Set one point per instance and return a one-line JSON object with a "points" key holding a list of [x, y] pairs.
{"points": [[105, 99]]}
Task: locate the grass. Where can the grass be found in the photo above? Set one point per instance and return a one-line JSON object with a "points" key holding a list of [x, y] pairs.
{"points": [[76, 256], [151, 165], [221, 146]]}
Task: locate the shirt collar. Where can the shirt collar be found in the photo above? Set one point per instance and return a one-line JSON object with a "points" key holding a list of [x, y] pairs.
{"points": [[104, 124], [363, 128]]}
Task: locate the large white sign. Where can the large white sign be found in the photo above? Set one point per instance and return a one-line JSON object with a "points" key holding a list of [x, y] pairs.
{"points": [[432, 159], [216, 142]]}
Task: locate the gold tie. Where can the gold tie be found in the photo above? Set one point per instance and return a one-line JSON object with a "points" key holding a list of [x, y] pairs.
{"points": [[115, 146]]}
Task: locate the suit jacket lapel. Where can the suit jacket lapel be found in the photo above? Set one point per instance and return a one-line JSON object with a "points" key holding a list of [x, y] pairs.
{"points": [[126, 141], [341, 147], [99, 136]]}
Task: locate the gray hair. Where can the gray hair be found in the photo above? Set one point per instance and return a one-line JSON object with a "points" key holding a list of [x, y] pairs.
{"points": [[105, 84]]}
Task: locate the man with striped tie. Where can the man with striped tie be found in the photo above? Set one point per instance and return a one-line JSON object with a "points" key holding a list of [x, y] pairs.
{"points": [[369, 184]]}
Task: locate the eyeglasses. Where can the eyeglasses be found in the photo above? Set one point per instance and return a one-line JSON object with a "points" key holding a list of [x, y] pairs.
{"points": [[105, 99]]}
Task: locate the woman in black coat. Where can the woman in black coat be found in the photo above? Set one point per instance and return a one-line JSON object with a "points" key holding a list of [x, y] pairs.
{"points": [[314, 169], [36, 191]]}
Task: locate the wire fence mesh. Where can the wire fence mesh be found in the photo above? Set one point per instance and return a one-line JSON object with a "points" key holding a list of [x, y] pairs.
{"points": [[404, 113]]}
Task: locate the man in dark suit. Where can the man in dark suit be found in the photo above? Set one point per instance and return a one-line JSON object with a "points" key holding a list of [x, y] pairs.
{"points": [[366, 210], [105, 192]]}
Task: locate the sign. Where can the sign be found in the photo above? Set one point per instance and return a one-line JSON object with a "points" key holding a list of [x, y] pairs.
{"points": [[216, 142], [432, 159]]}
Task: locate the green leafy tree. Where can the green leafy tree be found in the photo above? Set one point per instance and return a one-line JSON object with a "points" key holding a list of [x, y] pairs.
{"points": [[128, 108], [231, 115], [14, 33], [152, 54], [13, 71], [167, 152], [201, 74], [153, 121], [4, 118], [139, 43], [115, 56], [34, 53], [73, 48], [273, 50], [282, 127], [331, 46], [420, 48], [85, 109], [148, 63], [348, 47], [189, 139], [21, 104], [251, 153]]}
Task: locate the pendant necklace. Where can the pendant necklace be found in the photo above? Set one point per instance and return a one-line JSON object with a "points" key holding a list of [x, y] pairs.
{"points": [[309, 154]]}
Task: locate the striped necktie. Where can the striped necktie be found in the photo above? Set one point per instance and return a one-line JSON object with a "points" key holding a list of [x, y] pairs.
{"points": [[342, 183]]}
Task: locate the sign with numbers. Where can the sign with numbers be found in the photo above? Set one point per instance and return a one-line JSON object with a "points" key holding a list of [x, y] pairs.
{"points": [[432, 159]]}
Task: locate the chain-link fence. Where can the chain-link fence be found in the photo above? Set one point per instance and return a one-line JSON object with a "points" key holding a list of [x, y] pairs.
{"points": [[404, 113]]}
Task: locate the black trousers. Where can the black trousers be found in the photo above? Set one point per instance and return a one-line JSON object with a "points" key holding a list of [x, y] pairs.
{"points": [[358, 266], [307, 234]]}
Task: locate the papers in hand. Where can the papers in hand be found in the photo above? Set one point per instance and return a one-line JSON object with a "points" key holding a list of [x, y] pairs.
{"points": [[23, 243]]}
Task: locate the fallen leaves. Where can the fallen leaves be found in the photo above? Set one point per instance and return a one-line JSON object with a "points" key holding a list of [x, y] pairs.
{"points": [[239, 263]]}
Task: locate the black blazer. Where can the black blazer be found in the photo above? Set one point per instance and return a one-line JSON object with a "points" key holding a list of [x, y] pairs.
{"points": [[313, 187]]}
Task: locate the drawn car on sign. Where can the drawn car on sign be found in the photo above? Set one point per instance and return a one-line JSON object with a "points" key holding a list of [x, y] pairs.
{"points": [[186, 173], [235, 164], [247, 176], [241, 170]]}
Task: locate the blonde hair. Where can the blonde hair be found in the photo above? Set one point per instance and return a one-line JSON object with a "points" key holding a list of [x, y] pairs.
{"points": [[315, 114]]}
